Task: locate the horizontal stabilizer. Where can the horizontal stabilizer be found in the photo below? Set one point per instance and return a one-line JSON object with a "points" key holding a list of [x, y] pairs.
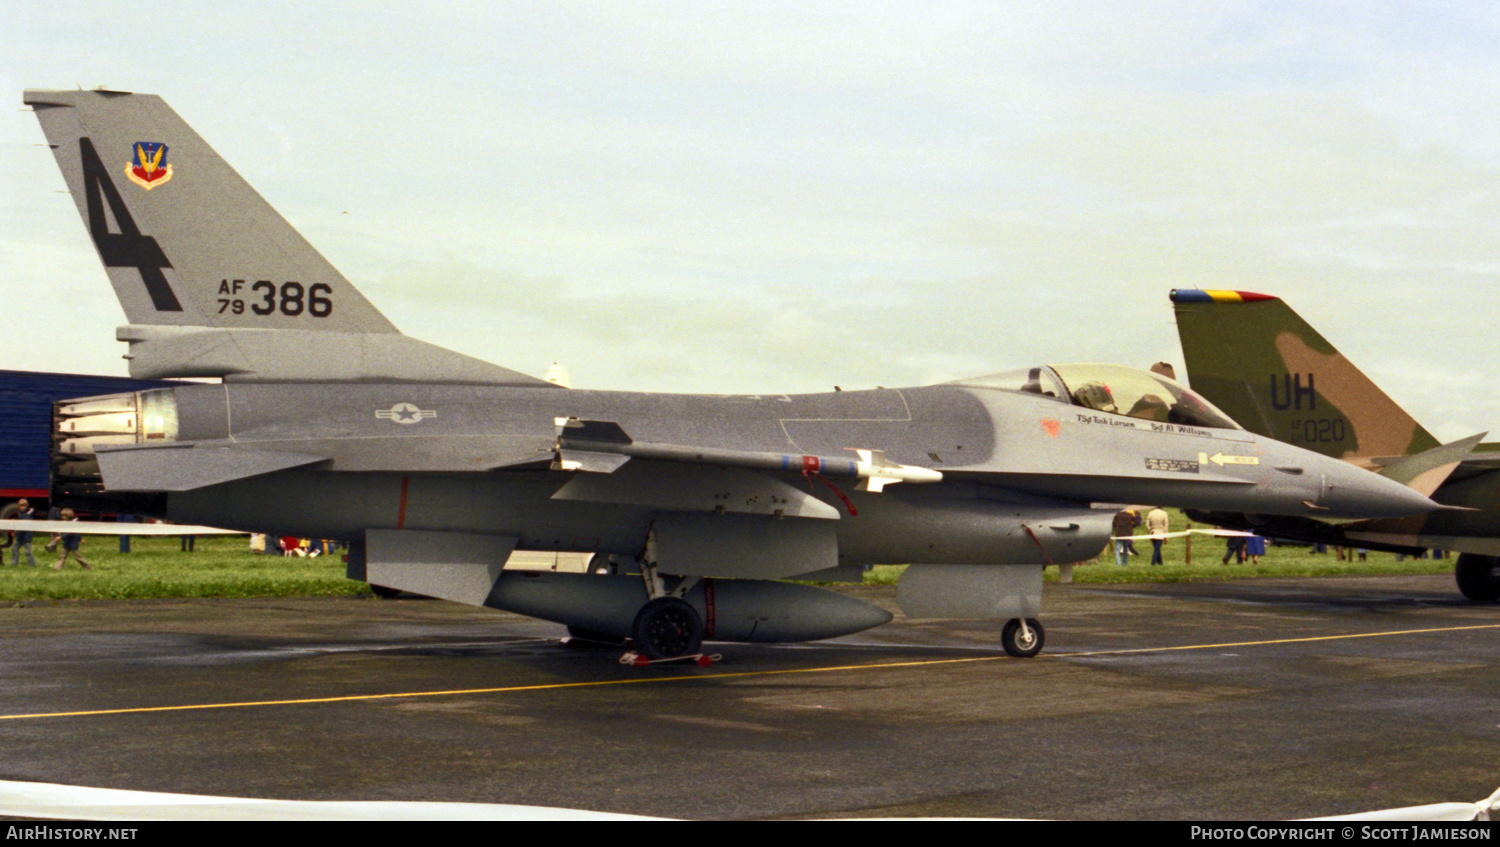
{"points": [[293, 355], [1427, 470], [184, 467]]}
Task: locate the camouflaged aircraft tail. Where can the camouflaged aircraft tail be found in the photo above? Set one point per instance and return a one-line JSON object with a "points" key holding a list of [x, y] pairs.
{"points": [[212, 280], [1256, 359]]}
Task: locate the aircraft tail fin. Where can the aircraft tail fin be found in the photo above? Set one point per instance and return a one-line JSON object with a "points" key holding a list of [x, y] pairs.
{"points": [[212, 280], [1255, 358]]}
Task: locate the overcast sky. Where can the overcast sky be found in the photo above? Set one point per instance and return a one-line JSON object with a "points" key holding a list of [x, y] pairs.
{"points": [[760, 197]]}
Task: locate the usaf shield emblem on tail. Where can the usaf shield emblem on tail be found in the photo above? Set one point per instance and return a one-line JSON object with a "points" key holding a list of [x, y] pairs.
{"points": [[148, 166]]}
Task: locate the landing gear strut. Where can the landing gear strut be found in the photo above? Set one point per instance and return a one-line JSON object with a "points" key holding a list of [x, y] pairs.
{"points": [[667, 628], [1022, 638]]}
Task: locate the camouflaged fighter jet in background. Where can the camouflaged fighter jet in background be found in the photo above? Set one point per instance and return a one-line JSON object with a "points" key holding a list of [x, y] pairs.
{"points": [[433, 466], [1267, 368]]}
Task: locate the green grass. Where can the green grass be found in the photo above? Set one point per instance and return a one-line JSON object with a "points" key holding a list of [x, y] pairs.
{"points": [[224, 567], [1278, 562], [1207, 551], [155, 567]]}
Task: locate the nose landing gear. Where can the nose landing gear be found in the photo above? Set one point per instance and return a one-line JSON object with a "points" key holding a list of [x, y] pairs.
{"points": [[1022, 638]]}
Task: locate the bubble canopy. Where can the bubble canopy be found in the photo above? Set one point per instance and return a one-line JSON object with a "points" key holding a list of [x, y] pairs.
{"points": [[1114, 389]]}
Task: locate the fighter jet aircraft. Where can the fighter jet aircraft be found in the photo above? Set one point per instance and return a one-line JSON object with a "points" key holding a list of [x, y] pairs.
{"points": [[433, 466], [1256, 358]]}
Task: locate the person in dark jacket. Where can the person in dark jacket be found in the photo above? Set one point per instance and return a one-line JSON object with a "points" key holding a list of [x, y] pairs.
{"points": [[1126, 521], [23, 537]]}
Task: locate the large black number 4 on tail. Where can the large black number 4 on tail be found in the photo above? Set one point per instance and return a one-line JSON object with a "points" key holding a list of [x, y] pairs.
{"points": [[127, 248]]}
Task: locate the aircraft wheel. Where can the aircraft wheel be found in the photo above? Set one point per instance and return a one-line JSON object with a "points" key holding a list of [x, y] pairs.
{"points": [[666, 628], [1022, 642], [1478, 577]]}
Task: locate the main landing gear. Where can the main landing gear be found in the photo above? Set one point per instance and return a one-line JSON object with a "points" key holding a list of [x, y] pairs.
{"points": [[1022, 638], [667, 628]]}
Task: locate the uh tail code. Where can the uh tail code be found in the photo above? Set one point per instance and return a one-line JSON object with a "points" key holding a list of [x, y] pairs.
{"points": [[266, 297]]}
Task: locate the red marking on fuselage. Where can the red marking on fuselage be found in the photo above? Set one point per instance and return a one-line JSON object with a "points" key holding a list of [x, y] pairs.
{"points": [[1051, 427], [401, 510], [1038, 543]]}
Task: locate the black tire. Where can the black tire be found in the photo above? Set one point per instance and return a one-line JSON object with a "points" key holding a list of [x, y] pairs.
{"points": [[384, 592], [1017, 643], [1478, 577], [667, 628]]}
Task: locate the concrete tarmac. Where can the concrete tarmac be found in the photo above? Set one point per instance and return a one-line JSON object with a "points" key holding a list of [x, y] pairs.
{"points": [[1266, 699]]}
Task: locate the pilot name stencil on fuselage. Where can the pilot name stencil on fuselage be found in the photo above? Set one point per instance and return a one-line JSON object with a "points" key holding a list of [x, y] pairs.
{"points": [[1176, 429]]}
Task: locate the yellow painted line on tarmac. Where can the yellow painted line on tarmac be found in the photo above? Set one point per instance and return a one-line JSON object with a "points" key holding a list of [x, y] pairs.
{"points": [[557, 686], [1270, 642]]}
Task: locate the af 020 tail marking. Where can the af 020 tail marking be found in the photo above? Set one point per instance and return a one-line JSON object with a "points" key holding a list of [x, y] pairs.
{"points": [[128, 248]]}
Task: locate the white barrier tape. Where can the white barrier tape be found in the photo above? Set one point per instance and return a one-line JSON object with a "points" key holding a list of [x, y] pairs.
{"points": [[71, 802]]}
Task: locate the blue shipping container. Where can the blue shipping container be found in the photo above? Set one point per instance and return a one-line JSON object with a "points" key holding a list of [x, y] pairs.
{"points": [[26, 399]]}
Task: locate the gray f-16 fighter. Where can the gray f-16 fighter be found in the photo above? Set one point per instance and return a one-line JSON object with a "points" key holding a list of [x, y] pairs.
{"points": [[434, 466]]}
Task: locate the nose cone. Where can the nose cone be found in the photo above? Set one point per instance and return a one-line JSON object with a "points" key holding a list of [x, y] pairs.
{"points": [[1350, 492]]}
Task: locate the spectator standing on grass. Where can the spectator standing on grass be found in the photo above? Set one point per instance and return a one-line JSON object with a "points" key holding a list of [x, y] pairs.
{"points": [[54, 514], [1236, 550], [1255, 547], [24, 512], [1156, 525], [71, 541], [1125, 523]]}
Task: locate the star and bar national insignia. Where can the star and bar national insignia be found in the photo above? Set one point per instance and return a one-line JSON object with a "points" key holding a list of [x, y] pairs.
{"points": [[405, 413], [148, 166]]}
